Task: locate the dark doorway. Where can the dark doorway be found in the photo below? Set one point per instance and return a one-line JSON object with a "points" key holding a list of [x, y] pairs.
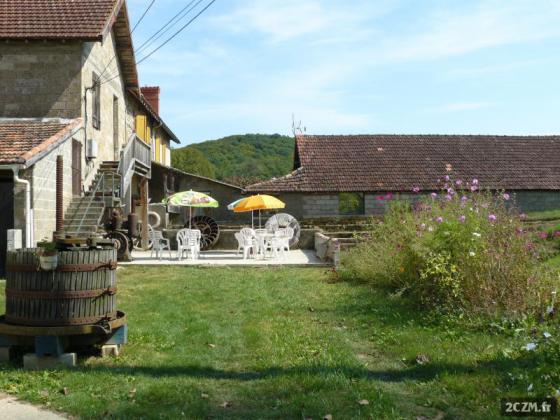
{"points": [[76, 167], [7, 219]]}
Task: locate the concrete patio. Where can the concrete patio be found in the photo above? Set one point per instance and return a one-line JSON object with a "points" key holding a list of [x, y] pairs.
{"points": [[294, 258]]}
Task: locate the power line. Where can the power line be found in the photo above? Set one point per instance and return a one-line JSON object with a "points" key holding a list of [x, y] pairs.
{"points": [[167, 40], [135, 26], [143, 15], [158, 34], [177, 33]]}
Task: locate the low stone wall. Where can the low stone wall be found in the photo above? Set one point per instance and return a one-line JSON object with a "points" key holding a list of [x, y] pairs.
{"points": [[327, 248]]}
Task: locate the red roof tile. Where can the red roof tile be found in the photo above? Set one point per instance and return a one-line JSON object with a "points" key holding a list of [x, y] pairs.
{"points": [[401, 162], [56, 19], [21, 140]]}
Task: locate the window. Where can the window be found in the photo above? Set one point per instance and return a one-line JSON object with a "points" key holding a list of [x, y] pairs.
{"points": [[96, 102], [351, 204]]}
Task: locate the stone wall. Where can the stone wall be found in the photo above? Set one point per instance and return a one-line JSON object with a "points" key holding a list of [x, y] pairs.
{"points": [[319, 205], [310, 205], [40, 79], [97, 56], [43, 197]]}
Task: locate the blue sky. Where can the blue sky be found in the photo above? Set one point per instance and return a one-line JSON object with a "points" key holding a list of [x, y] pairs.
{"points": [[361, 66]]}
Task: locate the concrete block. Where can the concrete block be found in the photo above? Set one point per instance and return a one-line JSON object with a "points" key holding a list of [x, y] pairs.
{"points": [[33, 362], [5, 354], [109, 350]]}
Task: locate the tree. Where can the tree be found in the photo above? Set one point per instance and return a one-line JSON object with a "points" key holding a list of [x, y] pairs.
{"points": [[192, 160]]}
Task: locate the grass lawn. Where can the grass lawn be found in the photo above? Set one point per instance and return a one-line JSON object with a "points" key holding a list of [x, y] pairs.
{"points": [[275, 343]]}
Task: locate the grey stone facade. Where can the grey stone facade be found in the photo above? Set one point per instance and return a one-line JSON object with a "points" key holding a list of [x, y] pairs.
{"points": [[49, 80], [310, 205], [40, 79]]}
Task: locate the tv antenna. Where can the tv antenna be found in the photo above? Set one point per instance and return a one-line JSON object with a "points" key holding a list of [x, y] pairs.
{"points": [[297, 127]]}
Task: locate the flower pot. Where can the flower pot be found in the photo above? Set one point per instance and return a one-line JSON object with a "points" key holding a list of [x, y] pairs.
{"points": [[48, 261]]}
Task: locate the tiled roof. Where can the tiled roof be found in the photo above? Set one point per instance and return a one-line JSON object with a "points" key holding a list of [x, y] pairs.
{"points": [[402, 162], [56, 19], [21, 140]]}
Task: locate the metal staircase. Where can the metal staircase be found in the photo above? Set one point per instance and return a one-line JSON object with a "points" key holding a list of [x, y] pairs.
{"points": [[111, 187], [84, 215]]}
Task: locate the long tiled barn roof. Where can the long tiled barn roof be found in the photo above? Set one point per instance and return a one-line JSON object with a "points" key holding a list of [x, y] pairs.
{"points": [[401, 162]]}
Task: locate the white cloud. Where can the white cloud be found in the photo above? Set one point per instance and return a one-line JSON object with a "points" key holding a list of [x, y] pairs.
{"points": [[317, 20]]}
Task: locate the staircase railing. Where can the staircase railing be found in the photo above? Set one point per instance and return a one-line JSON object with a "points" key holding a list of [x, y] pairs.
{"points": [[105, 179], [135, 152]]}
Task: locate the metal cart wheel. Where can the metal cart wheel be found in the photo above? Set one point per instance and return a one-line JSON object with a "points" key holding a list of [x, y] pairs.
{"points": [[208, 228]]}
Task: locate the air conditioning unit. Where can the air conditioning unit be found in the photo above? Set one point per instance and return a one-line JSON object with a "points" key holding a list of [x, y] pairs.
{"points": [[91, 150]]}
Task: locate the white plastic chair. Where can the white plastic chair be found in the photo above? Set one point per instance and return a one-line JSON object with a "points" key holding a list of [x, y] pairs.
{"points": [[239, 239], [188, 240], [160, 244], [286, 235], [248, 241], [276, 244]]}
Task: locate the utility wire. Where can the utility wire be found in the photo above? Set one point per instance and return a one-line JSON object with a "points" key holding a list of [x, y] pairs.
{"points": [[159, 33], [168, 39], [135, 26], [143, 16], [176, 33]]}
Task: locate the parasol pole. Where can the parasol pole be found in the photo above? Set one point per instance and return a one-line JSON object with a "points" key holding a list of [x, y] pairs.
{"points": [[259, 218], [252, 219], [190, 217]]}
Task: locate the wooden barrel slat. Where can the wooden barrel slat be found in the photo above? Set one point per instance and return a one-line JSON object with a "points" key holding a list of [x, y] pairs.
{"points": [[56, 307]]}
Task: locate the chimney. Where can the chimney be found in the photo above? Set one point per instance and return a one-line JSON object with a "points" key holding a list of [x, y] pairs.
{"points": [[151, 94]]}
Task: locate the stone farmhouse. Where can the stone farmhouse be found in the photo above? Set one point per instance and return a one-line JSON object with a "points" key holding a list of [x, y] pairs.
{"points": [[353, 175], [69, 86]]}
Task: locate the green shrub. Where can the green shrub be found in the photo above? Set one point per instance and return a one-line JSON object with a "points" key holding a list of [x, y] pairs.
{"points": [[462, 249]]}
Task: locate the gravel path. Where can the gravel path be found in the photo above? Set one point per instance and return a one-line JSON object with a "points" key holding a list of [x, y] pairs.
{"points": [[12, 409]]}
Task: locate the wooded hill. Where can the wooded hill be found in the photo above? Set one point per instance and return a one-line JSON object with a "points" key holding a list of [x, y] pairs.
{"points": [[238, 159]]}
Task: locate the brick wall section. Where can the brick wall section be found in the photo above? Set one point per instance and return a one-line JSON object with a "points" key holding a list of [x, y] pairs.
{"points": [[318, 205], [40, 79], [309, 205]]}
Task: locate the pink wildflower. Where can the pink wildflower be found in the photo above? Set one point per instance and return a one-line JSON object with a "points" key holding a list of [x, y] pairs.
{"points": [[556, 233], [462, 218], [506, 196], [458, 182], [522, 216], [475, 181], [448, 197], [447, 178], [543, 235], [439, 219], [433, 195], [474, 188], [492, 218], [388, 196], [380, 198], [416, 190], [464, 198]]}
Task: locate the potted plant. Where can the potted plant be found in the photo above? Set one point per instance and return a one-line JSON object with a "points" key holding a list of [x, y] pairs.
{"points": [[48, 255]]}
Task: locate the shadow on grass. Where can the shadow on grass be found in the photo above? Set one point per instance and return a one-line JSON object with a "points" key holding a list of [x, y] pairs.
{"points": [[420, 372]]}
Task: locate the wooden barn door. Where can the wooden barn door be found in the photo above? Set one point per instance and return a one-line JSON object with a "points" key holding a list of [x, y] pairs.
{"points": [[76, 167]]}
